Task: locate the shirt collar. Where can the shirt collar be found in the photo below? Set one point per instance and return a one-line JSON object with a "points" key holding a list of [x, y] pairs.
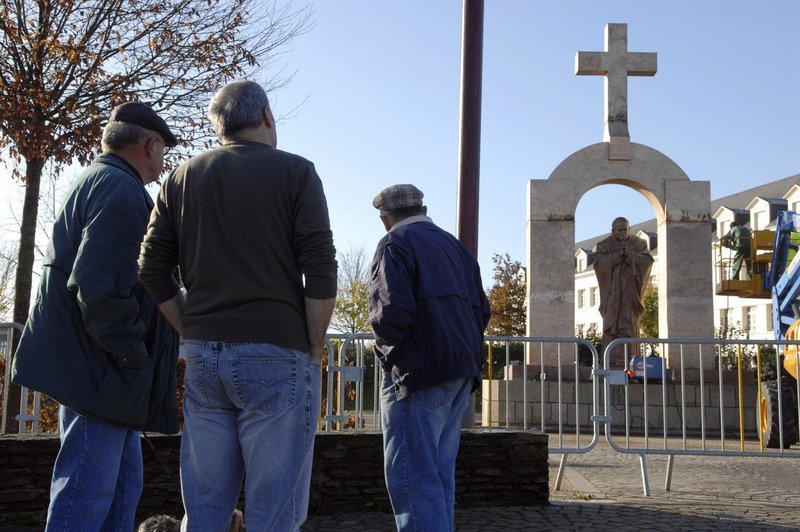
{"points": [[115, 160], [417, 218]]}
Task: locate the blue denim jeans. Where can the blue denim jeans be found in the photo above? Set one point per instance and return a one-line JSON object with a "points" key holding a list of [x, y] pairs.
{"points": [[97, 477], [421, 435], [250, 411]]}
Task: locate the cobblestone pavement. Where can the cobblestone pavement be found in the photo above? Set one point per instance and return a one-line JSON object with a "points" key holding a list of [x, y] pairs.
{"points": [[602, 490]]}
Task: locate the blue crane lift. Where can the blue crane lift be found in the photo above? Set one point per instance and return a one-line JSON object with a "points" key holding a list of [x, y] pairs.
{"points": [[775, 275]]}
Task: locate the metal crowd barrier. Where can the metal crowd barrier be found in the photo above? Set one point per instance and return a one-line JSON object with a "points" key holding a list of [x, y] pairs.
{"points": [[22, 416], [347, 365], [341, 370], [551, 396], [652, 409]]}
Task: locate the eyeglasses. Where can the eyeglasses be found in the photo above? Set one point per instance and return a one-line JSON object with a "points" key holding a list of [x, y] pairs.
{"points": [[166, 148]]}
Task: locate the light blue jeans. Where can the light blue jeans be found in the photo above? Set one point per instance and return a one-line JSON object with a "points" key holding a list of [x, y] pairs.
{"points": [[421, 435], [250, 411], [97, 477]]}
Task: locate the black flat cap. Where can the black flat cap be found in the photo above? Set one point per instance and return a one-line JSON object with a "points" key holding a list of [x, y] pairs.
{"points": [[142, 115]]}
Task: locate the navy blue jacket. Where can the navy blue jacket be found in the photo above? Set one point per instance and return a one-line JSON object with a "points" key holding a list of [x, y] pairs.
{"points": [[95, 341], [427, 307]]}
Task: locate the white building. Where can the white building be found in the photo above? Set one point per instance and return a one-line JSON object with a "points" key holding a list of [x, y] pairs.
{"points": [[755, 208]]}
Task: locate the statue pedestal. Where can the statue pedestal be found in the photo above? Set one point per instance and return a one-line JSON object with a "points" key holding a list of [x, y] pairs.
{"points": [[562, 400], [535, 372], [569, 373]]}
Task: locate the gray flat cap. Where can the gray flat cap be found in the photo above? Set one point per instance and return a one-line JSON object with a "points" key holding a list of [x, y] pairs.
{"points": [[398, 197]]}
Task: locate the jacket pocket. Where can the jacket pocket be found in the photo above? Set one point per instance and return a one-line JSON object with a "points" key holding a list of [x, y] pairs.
{"points": [[123, 396]]}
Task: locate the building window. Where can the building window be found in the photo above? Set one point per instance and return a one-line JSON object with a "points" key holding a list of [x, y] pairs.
{"points": [[727, 318], [749, 319], [581, 298], [581, 265], [758, 217], [795, 206], [593, 292]]}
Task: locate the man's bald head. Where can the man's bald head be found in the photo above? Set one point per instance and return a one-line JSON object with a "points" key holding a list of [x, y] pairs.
{"points": [[237, 106]]}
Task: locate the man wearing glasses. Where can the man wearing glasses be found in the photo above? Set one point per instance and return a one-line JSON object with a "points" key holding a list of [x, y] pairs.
{"points": [[95, 341]]}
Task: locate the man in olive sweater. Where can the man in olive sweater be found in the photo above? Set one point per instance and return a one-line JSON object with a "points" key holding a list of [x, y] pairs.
{"points": [[248, 227]]}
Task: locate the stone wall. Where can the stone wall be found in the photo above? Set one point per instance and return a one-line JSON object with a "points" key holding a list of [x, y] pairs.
{"points": [[495, 468], [570, 403]]}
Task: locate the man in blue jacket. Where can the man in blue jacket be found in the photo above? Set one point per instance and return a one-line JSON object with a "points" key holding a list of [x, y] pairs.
{"points": [[95, 341], [428, 309]]}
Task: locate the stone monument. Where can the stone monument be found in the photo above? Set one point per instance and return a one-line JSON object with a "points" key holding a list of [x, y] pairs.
{"points": [[681, 207]]}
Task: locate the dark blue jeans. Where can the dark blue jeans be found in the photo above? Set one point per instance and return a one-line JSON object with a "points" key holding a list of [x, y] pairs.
{"points": [[97, 477], [421, 435]]}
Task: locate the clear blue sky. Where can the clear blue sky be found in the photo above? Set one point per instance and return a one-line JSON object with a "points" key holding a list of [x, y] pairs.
{"points": [[382, 82], [379, 84]]}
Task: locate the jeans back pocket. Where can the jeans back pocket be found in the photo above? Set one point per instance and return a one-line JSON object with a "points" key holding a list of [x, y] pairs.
{"points": [[267, 385]]}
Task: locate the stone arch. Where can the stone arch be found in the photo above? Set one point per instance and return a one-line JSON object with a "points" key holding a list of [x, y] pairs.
{"points": [[682, 211]]}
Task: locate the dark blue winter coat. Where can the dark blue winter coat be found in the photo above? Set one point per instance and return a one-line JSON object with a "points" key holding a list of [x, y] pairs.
{"points": [[427, 307], [95, 341]]}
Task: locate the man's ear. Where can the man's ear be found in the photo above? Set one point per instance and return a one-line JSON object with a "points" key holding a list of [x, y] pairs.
{"points": [[269, 119], [150, 146]]}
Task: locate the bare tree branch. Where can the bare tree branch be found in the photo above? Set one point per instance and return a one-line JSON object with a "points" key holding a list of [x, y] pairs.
{"points": [[351, 313], [64, 64], [8, 264]]}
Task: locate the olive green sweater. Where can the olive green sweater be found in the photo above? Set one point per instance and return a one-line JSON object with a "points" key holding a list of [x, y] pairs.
{"points": [[248, 227]]}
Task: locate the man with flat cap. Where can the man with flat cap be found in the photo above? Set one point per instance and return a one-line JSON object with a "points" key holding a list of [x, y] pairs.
{"points": [[95, 341], [428, 309]]}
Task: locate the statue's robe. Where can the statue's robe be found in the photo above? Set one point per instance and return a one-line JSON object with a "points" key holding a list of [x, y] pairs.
{"points": [[623, 279]]}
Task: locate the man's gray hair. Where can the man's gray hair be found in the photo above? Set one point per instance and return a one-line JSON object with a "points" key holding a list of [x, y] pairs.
{"points": [[160, 523], [238, 105], [397, 215], [118, 135]]}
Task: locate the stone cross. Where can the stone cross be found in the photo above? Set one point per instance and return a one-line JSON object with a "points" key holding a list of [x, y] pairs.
{"points": [[616, 64]]}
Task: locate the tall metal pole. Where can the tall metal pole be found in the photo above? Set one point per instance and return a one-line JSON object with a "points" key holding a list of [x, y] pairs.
{"points": [[469, 146]]}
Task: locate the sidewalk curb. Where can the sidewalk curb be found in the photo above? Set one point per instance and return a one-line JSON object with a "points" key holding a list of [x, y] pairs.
{"points": [[583, 485]]}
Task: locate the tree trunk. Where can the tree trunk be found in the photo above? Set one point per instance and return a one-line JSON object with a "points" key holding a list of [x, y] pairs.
{"points": [[24, 275]]}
